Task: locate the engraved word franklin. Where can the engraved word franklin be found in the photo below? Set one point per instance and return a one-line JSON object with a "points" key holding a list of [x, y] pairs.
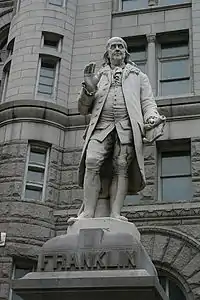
{"points": [[112, 259]]}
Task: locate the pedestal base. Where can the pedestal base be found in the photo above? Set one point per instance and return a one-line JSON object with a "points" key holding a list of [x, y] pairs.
{"points": [[117, 285], [97, 258]]}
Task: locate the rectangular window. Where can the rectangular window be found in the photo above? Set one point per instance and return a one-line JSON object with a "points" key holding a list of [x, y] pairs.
{"points": [[51, 40], [47, 76], [20, 269], [174, 69], [175, 176], [137, 48], [10, 47], [134, 4], [139, 56], [57, 2], [36, 172], [5, 78]]}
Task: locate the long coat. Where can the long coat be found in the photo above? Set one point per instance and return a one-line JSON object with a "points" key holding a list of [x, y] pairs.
{"points": [[140, 105]]}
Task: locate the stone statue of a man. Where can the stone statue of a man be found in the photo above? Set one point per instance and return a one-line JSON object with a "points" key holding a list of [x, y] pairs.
{"points": [[122, 107]]}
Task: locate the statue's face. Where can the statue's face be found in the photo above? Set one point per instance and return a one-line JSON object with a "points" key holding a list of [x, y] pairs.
{"points": [[116, 52]]}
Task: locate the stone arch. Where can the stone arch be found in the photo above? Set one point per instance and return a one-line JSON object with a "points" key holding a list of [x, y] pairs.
{"points": [[176, 253]]}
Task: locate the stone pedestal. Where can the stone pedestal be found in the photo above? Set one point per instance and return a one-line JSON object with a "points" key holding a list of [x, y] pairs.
{"points": [[97, 257]]}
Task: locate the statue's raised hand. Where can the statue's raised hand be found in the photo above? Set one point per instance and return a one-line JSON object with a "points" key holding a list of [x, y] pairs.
{"points": [[90, 78]]}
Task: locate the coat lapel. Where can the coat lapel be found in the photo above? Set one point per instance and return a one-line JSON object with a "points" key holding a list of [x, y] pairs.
{"points": [[130, 68], [107, 72]]}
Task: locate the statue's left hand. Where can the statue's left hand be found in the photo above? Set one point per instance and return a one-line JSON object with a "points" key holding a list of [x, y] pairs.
{"points": [[154, 121]]}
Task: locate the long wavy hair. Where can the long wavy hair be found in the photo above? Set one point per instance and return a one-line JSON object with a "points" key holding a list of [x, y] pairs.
{"points": [[106, 59]]}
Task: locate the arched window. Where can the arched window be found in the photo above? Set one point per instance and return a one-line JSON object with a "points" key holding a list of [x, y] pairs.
{"points": [[171, 287]]}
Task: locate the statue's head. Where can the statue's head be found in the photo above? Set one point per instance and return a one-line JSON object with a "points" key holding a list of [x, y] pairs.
{"points": [[116, 51]]}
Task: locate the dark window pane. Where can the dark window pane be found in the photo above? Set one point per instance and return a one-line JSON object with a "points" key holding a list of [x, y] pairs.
{"points": [[16, 297], [45, 89], [175, 87], [175, 165], [162, 280], [172, 50], [132, 199], [19, 273], [175, 292], [174, 69], [134, 4], [50, 43], [47, 72], [37, 157], [33, 194], [34, 176], [46, 81], [138, 55], [171, 288], [177, 189], [141, 66]]}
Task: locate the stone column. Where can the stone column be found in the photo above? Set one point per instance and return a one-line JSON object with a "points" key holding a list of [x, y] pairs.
{"points": [[151, 63], [116, 5], [153, 2]]}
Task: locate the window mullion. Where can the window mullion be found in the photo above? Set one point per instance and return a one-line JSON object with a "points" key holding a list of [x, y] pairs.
{"points": [[45, 175]]}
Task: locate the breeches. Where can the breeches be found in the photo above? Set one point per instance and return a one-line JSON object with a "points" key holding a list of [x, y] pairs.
{"points": [[109, 149]]}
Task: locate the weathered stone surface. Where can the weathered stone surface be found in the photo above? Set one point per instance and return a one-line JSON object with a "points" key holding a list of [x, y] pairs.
{"points": [[196, 168], [4, 290], [147, 241], [71, 158], [149, 153], [195, 148], [159, 246], [192, 266], [114, 284], [172, 249], [184, 257]]}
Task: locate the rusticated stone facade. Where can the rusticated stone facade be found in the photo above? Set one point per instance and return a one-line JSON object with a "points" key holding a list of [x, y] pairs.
{"points": [[170, 231]]}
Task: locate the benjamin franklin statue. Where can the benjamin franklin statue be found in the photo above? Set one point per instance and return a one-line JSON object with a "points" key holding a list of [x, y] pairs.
{"points": [[123, 114]]}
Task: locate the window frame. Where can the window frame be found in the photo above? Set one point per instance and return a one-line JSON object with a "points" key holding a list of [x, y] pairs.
{"points": [[32, 185], [151, 3], [56, 60], [5, 77], [167, 148], [59, 43], [168, 277], [25, 263], [138, 42], [62, 6], [161, 59], [141, 61]]}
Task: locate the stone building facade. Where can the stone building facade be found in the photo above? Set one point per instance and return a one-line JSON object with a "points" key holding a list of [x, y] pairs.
{"points": [[44, 46]]}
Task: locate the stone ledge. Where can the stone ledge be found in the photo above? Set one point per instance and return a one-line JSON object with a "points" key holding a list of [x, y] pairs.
{"points": [[52, 113], [151, 9], [167, 211]]}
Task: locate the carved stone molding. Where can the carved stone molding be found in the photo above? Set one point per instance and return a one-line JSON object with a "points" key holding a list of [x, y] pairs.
{"points": [[167, 212], [151, 38], [175, 253]]}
